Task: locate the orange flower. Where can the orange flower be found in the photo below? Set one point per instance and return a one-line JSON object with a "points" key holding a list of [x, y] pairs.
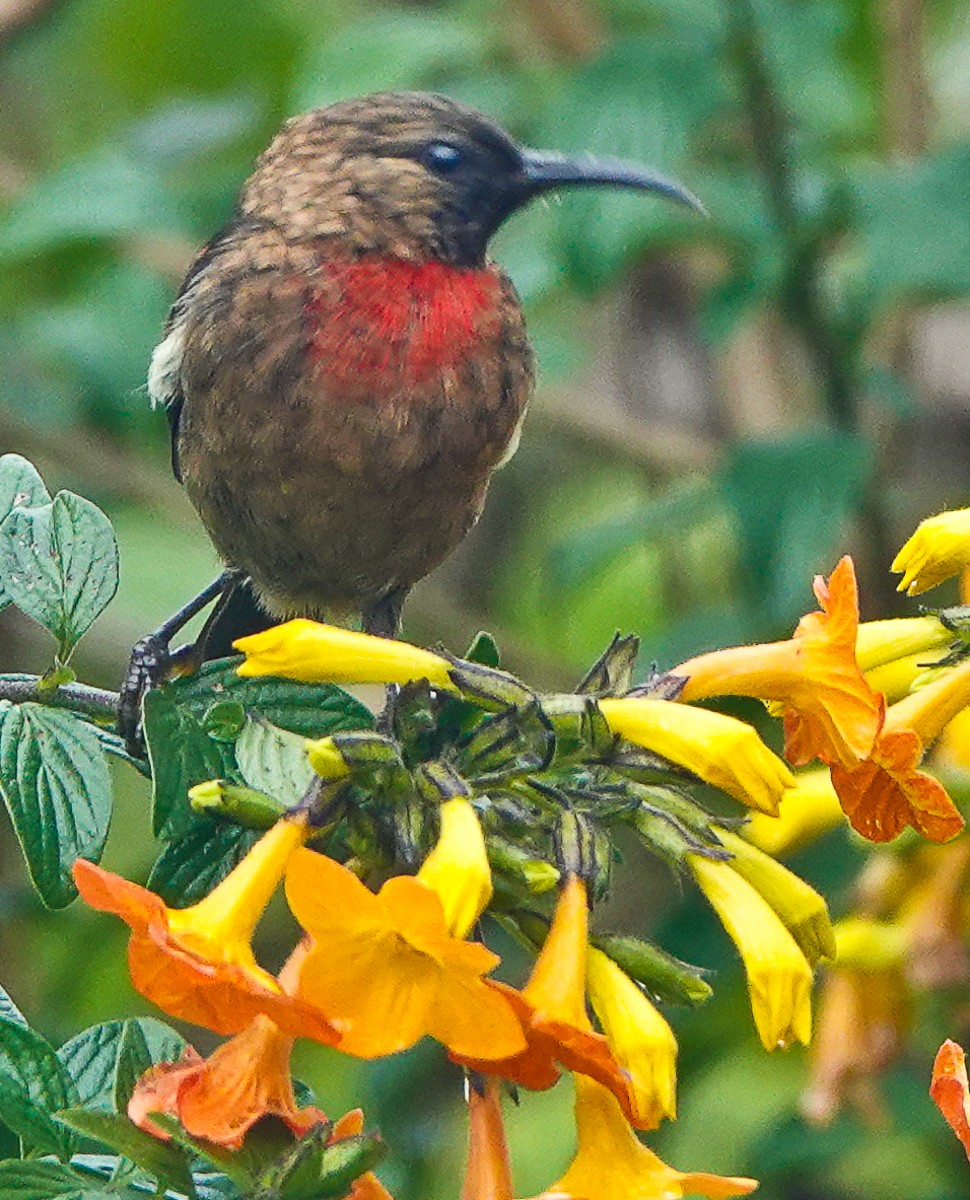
{"points": [[385, 969], [887, 791], [613, 1164], [950, 1091], [552, 1007], [197, 963], [830, 712], [488, 1175], [222, 1097]]}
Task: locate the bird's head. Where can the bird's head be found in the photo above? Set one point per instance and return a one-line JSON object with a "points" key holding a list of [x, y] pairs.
{"points": [[415, 175]]}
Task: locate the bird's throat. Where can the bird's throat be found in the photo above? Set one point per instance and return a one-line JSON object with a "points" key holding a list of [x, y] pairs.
{"points": [[380, 323]]}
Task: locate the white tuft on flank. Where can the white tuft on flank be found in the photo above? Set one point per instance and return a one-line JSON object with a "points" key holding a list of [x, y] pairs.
{"points": [[513, 445], [163, 370]]}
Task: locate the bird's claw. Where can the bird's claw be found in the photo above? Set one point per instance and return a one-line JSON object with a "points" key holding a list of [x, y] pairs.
{"points": [[150, 664]]}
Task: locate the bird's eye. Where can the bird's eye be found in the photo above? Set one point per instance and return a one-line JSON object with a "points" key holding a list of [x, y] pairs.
{"points": [[442, 158]]}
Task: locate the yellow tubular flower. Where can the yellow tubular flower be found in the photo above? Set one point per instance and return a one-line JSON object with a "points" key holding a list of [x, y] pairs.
{"points": [[939, 548], [880, 642], [641, 1040], [779, 977], [611, 1162], [898, 678], [807, 810], [803, 911], [457, 868], [314, 653], [719, 749]]}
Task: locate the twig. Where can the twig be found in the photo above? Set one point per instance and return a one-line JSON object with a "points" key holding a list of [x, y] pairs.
{"points": [[79, 697]]}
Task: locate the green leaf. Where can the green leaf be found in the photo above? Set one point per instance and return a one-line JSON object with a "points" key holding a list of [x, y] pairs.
{"points": [[56, 786], [182, 754], [106, 196], [203, 855], [274, 761], [20, 487], [310, 709], [59, 565], [164, 1160], [911, 228], [662, 93], [425, 48], [792, 499], [144, 1042], [44, 1181], [484, 649], [105, 1061], [9, 1011], [33, 1085]]}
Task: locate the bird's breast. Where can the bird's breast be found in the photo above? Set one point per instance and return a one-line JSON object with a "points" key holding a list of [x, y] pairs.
{"points": [[380, 325]]}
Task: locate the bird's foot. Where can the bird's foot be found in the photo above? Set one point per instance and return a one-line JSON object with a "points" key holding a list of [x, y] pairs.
{"points": [[151, 662]]}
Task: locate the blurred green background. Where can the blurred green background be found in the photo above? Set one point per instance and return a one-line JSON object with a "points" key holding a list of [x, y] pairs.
{"points": [[725, 406]]}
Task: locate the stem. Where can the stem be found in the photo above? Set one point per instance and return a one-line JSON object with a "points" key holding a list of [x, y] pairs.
{"points": [[771, 139], [79, 697]]}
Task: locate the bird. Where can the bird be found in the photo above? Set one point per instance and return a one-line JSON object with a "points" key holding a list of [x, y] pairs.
{"points": [[344, 366]]}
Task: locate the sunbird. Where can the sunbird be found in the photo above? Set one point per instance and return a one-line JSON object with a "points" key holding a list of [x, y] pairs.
{"points": [[344, 366]]}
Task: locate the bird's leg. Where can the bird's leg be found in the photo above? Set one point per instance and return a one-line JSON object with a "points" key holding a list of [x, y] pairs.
{"points": [[383, 619], [152, 660]]}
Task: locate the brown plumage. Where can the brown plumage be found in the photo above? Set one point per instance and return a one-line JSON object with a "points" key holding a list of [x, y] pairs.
{"points": [[344, 367]]}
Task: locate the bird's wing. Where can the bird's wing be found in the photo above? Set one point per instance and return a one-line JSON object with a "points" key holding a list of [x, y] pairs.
{"points": [[165, 369]]}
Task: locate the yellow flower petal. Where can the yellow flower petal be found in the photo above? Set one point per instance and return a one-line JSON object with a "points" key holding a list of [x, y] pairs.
{"points": [[803, 911], [939, 548], [315, 653], [779, 977], [880, 642], [457, 868], [611, 1163], [641, 1040], [806, 811], [719, 749]]}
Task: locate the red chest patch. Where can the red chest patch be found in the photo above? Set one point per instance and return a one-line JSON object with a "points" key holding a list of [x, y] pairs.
{"points": [[387, 322]]}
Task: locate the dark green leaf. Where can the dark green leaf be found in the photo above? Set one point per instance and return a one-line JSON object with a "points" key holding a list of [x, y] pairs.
{"points": [[204, 854], [182, 754], [56, 786], [105, 1061], [59, 564], [484, 650], [33, 1085], [273, 761], [164, 1160], [310, 709], [20, 487]]}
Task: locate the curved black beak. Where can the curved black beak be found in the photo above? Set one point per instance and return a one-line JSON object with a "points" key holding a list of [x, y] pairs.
{"points": [[545, 170]]}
